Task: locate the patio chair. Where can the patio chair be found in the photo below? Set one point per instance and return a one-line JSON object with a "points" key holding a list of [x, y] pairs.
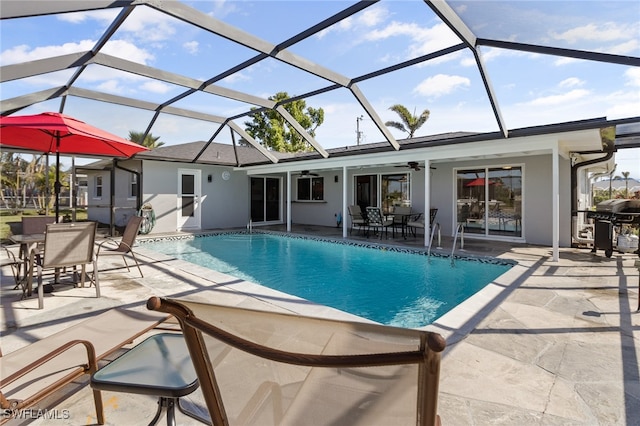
{"points": [[35, 225], [65, 244], [262, 368], [124, 246], [8, 258], [401, 214], [417, 222], [378, 222], [356, 217]]}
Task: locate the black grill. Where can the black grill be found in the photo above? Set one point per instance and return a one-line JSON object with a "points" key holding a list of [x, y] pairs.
{"points": [[610, 214]]}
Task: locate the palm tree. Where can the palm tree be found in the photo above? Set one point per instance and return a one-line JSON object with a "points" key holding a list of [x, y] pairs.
{"points": [[410, 123], [149, 141], [625, 176]]}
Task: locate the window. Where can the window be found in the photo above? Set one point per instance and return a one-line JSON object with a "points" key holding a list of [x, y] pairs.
{"points": [[395, 191], [98, 190], [133, 185], [311, 188]]}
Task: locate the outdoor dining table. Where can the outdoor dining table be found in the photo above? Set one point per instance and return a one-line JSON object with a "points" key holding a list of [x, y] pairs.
{"points": [[27, 242]]}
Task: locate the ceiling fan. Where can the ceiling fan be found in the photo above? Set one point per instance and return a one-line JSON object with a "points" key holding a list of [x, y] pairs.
{"points": [[413, 165], [307, 173], [416, 166]]}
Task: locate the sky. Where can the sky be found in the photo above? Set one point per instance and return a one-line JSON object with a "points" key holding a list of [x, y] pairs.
{"points": [[531, 89]]}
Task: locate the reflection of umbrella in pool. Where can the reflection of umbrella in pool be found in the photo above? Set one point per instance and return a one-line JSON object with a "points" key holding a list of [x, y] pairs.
{"points": [[50, 132]]}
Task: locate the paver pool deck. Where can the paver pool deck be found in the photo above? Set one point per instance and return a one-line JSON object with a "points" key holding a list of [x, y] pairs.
{"points": [[547, 343]]}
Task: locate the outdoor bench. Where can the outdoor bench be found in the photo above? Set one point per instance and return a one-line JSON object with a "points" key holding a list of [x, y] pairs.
{"points": [[30, 374]]}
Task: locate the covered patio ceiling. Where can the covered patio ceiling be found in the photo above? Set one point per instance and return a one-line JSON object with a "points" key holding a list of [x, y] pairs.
{"points": [[494, 67]]}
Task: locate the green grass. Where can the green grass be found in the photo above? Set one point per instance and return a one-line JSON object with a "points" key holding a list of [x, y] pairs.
{"points": [[8, 218]]}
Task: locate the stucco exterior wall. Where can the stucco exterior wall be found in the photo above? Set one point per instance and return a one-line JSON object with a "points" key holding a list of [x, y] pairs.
{"points": [[99, 208], [318, 212], [224, 203]]}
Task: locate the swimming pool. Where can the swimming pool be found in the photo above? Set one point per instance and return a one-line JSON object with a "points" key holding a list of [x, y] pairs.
{"points": [[390, 286]]}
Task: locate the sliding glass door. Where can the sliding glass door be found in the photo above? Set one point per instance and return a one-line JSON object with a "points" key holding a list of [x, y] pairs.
{"points": [[266, 200], [489, 200]]}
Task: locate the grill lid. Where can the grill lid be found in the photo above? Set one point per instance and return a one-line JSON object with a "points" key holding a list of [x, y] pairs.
{"points": [[619, 205]]}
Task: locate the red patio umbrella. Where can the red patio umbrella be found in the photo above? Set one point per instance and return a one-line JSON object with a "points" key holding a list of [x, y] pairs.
{"points": [[52, 132], [477, 182]]}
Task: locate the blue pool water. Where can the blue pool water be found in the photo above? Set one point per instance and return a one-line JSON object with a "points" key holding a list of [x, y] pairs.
{"points": [[390, 287]]}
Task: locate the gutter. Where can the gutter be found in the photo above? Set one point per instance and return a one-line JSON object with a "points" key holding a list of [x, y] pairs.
{"points": [[112, 219], [574, 192]]}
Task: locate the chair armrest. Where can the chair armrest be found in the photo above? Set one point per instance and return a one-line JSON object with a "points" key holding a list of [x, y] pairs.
{"points": [[114, 242], [91, 367]]}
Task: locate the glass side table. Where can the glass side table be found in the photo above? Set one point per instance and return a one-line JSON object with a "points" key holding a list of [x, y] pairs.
{"points": [[159, 366]]}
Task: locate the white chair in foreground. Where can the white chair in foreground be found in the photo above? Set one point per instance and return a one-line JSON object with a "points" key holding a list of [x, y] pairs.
{"points": [[268, 368], [66, 244]]}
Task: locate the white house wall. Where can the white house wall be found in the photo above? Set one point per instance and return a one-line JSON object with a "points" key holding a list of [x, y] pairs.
{"points": [[99, 209], [318, 212], [224, 203], [537, 208]]}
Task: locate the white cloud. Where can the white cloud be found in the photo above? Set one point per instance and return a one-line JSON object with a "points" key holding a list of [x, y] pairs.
{"points": [[24, 53], [127, 50], [571, 82], [633, 77], [110, 86], [223, 8], [156, 87], [564, 61], [105, 17], [564, 98], [367, 19], [372, 16], [624, 48], [441, 84], [236, 77], [608, 31], [149, 25], [191, 47]]}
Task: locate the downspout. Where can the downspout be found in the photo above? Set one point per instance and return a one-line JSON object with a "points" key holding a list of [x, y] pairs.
{"points": [[139, 189], [112, 198], [574, 188]]}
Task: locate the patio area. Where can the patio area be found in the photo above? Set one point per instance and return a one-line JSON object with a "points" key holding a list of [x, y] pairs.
{"points": [[546, 343]]}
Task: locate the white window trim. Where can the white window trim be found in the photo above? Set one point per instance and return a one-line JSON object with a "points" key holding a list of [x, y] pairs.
{"points": [[130, 183], [95, 195]]}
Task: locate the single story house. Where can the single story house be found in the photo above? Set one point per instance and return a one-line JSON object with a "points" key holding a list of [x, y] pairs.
{"points": [[525, 188]]}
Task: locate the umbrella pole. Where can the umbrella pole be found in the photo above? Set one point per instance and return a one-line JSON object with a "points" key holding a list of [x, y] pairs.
{"points": [[57, 184], [47, 193]]}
